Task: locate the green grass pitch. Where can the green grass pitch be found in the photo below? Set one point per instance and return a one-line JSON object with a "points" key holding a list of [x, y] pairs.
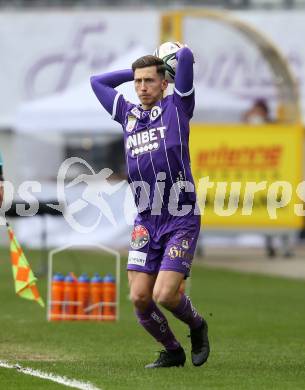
{"points": [[257, 334]]}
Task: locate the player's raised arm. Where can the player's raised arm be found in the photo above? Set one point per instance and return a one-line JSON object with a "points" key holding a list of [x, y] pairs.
{"points": [[184, 78], [104, 88]]}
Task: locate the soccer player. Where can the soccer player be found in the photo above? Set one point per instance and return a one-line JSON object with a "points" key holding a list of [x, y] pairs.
{"points": [[1, 180], [166, 230]]}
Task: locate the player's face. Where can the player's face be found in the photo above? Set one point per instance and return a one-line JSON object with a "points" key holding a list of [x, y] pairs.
{"points": [[149, 86]]}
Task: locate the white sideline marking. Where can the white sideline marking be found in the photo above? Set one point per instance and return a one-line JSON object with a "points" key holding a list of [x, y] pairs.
{"points": [[51, 377]]}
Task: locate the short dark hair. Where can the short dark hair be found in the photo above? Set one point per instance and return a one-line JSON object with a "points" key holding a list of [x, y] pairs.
{"points": [[150, 60]]}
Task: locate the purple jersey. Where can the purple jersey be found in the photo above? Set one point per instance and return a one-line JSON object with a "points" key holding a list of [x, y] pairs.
{"points": [[157, 148], [156, 140], [158, 167]]}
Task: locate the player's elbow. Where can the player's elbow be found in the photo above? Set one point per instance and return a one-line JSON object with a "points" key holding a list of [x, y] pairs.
{"points": [[93, 81], [98, 82]]}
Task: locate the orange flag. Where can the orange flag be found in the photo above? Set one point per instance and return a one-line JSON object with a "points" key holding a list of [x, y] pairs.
{"points": [[25, 281]]}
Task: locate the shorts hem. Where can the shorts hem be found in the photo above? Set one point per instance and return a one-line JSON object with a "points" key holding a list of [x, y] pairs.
{"points": [[141, 270], [187, 273]]}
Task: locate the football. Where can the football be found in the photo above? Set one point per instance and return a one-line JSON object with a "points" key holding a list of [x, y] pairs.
{"points": [[167, 52]]}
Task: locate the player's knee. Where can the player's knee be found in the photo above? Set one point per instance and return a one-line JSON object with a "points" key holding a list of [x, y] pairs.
{"points": [[140, 300], [163, 297]]}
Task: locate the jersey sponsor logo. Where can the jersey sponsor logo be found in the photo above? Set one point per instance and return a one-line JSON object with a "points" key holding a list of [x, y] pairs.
{"points": [[145, 141], [139, 237], [155, 112], [137, 258], [131, 122], [136, 112]]}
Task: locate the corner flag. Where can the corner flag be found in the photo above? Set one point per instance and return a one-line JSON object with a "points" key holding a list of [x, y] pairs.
{"points": [[25, 281]]}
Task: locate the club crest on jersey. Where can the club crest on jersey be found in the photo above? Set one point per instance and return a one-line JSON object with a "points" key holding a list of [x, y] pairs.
{"points": [[145, 140], [131, 122], [136, 112], [139, 237], [155, 112]]}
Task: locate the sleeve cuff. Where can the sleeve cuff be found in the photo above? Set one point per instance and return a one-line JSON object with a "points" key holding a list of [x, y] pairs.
{"points": [[115, 102], [183, 94]]}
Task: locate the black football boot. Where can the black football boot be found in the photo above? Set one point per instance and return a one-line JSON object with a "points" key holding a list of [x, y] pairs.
{"points": [[200, 344], [173, 358]]}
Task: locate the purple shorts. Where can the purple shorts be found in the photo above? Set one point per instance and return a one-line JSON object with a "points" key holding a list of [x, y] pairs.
{"points": [[163, 243]]}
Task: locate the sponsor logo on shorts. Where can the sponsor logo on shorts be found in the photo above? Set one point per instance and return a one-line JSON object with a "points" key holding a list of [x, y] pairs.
{"points": [[177, 252], [185, 244], [137, 258], [186, 265], [139, 237]]}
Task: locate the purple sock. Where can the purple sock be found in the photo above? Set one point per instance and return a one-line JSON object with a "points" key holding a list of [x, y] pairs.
{"points": [[187, 313], [156, 324]]}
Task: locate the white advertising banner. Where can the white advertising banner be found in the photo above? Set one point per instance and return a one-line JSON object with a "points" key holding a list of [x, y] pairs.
{"points": [[229, 70], [229, 66], [286, 29], [43, 53]]}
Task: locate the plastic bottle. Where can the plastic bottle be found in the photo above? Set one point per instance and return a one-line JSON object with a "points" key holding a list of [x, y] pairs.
{"points": [[83, 296], [109, 296], [96, 292], [70, 295], [57, 296]]}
